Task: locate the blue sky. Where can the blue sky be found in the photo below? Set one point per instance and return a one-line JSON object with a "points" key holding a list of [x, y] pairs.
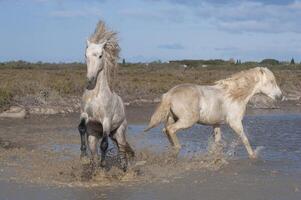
{"points": [[56, 30]]}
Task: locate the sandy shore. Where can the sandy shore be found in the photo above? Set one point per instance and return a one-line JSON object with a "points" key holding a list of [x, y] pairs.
{"points": [[39, 159]]}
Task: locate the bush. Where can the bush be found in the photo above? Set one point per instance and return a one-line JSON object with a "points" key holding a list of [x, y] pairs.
{"points": [[270, 62], [5, 99]]}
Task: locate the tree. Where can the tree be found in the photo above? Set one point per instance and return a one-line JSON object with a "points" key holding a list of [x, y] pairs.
{"points": [[292, 61], [123, 61], [270, 61]]}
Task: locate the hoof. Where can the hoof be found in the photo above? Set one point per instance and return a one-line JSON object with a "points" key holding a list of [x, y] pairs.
{"points": [[176, 149], [253, 156], [85, 160], [131, 155], [83, 154], [124, 166], [103, 163], [123, 161]]}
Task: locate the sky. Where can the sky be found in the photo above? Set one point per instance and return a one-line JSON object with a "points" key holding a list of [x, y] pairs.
{"points": [[148, 30]]}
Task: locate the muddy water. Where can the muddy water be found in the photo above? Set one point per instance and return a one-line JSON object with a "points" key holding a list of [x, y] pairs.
{"points": [[39, 159]]}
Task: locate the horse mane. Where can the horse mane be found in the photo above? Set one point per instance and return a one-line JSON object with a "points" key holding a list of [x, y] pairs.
{"points": [[111, 49], [240, 85]]}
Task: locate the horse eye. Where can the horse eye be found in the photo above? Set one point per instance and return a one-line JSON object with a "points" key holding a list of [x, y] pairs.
{"points": [[99, 56]]}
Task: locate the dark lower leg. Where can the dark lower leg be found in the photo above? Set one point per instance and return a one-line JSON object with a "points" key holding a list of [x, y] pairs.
{"points": [[103, 147], [82, 128], [129, 150], [123, 159], [122, 152]]}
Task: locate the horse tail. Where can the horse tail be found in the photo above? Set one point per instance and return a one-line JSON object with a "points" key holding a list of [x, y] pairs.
{"points": [[160, 114]]}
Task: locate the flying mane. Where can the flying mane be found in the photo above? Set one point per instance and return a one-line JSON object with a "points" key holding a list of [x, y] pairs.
{"points": [[111, 49], [240, 85]]}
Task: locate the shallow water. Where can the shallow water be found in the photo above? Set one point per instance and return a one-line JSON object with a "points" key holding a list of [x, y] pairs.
{"points": [[277, 136], [44, 152]]}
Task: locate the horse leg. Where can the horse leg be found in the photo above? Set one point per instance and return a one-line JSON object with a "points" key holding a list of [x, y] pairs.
{"points": [[82, 128], [106, 125], [238, 128], [92, 142], [170, 120], [173, 128], [104, 147], [123, 146], [217, 134]]}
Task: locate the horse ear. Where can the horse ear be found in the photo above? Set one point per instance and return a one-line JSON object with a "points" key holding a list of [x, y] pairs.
{"points": [[88, 42], [103, 44]]}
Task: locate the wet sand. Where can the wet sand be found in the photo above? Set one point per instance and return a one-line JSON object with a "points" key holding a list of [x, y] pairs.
{"points": [[39, 159]]}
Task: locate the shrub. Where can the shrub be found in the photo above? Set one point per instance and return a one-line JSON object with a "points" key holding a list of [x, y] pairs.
{"points": [[270, 62], [5, 99]]}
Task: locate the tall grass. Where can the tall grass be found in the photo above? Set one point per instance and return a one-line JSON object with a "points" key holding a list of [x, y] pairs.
{"points": [[133, 81]]}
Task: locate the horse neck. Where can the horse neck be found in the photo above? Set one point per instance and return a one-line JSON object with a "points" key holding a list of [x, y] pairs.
{"points": [[102, 84], [254, 91], [244, 98]]}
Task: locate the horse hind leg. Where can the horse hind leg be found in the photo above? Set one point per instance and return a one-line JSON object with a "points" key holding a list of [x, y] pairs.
{"points": [[82, 128], [170, 120], [217, 145], [124, 148], [217, 134], [179, 125]]}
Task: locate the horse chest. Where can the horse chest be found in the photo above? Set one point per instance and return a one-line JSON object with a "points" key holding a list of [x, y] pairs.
{"points": [[95, 109]]}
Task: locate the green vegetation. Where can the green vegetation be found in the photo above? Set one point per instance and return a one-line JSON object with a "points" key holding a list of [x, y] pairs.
{"points": [[5, 98], [270, 62]]}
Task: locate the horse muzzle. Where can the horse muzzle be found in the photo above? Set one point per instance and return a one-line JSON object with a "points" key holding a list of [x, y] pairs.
{"points": [[91, 83]]}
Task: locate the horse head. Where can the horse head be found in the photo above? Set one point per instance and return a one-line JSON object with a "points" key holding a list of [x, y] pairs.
{"points": [[268, 84], [94, 59]]}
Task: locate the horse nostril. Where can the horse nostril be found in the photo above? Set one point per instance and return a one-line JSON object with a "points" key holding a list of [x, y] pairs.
{"points": [[90, 82]]}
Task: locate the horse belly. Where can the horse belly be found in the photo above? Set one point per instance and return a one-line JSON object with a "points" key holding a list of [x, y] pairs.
{"points": [[95, 128], [211, 113]]}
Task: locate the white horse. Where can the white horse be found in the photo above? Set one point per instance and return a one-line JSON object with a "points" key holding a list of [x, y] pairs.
{"points": [[224, 102], [102, 110]]}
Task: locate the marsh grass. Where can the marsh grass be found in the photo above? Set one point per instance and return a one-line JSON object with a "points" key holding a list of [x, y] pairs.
{"points": [[45, 82], [5, 98]]}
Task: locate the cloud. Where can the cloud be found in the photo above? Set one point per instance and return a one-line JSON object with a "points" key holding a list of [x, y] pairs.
{"points": [[226, 49], [272, 16], [174, 46], [83, 12], [170, 14], [256, 17], [198, 2]]}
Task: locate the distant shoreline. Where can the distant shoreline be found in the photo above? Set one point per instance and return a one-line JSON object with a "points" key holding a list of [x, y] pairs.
{"points": [[42, 88]]}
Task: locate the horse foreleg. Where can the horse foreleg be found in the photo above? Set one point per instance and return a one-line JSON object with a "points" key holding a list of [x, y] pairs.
{"points": [[238, 128], [106, 125], [82, 128], [104, 147], [92, 142]]}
